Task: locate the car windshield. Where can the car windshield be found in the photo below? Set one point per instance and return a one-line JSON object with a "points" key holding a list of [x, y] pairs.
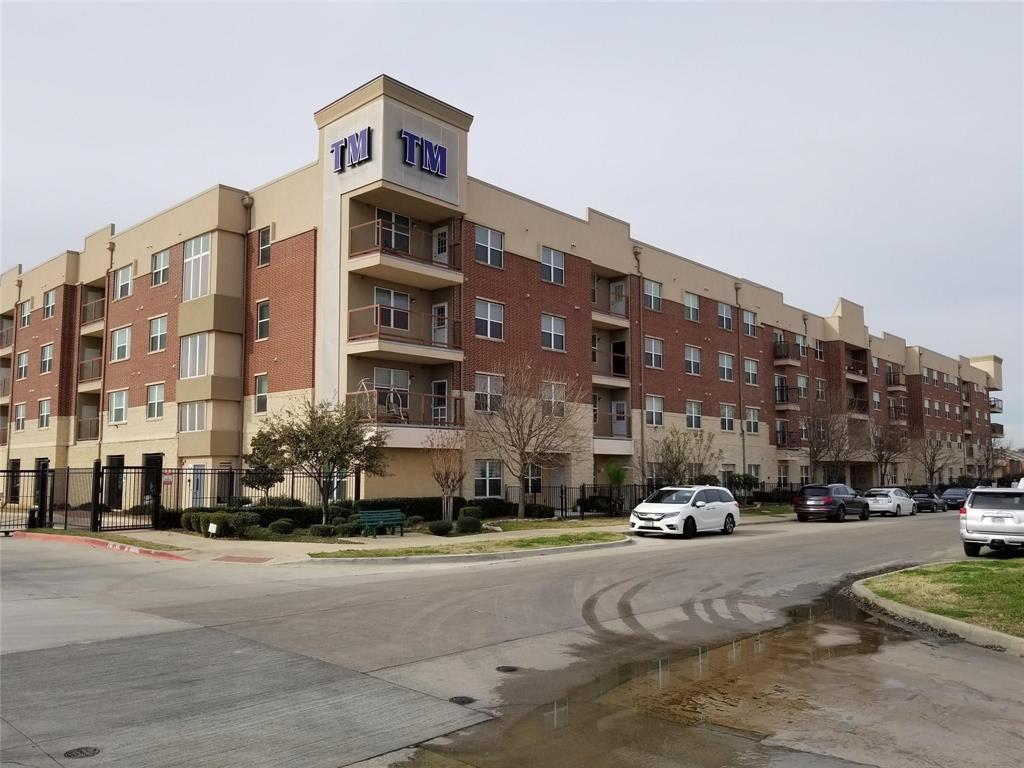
{"points": [[877, 492], [670, 496], [922, 495], [815, 491], [951, 493], [1010, 501]]}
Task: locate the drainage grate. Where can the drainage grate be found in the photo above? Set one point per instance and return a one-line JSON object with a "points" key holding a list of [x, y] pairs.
{"points": [[462, 700], [82, 752], [506, 668]]}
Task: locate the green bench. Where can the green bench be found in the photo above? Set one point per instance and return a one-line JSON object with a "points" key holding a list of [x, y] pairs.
{"points": [[389, 519]]}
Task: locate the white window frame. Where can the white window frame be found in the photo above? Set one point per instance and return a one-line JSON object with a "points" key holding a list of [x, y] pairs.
{"points": [[155, 405], [552, 266], [819, 349], [691, 307], [819, 389], [805, 474], [486, 238], [876, 399], [21, 365], [753, 420], [654, 410], [194, 355], [694, 414], [117, 405], [262, 323], [489, 390], [46, 358], [49, 303], [120, 338], [691, 359], [159, 268], [654, 352], [159, 325], [552, 394], [19, 417], [726, 366], [492, 314], [750, 372], [724, 316], [802, 389], [874, 365], [749, 323], [261, 399], [552, 332], [192, 416], [263, 248], [652, 295], [123, 282], [488, 472], [801, 343], [25, 313], [727, 417], [43, 418], [195, 271]]}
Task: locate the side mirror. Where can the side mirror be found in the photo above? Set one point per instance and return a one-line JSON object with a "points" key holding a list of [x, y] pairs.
{"points": [[699, 504]]}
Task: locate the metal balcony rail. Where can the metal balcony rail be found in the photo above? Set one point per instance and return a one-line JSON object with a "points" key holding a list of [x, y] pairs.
{"points": [[91, 369], [88, 429], [782, 350], [899, 412], [608, 424], [5, 386], [857, 405], [378, 321], [787, 439], [7, 337], [995, 405], [856, 367], [397, 407], [894, 379], [786, 394], [611, 305], [609, 363], [997, 430], [408, 241], [93, 311]]}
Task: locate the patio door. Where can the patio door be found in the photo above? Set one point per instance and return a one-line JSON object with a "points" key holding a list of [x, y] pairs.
{"points": [[619, 416], [197, 480], [439, 324], [617, 297], [439, 246], [439, 402]]}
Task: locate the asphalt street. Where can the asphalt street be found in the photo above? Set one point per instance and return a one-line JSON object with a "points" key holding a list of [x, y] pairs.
{"points": [[158, 663]]}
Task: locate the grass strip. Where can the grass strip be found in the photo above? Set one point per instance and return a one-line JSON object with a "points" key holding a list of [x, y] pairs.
{"points": [[117, 538], [546, 524], [481, 547]]}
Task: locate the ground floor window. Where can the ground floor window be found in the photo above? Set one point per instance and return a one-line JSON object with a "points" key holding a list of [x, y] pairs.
{"points": [[805, 474], [487, 479], [783, 474], [728, 471]]}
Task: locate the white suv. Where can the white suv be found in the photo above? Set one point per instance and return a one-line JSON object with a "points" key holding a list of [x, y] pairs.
{"points": [[686, 509], [993, 517]]}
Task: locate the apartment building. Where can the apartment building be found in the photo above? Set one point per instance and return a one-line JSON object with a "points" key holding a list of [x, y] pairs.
{"points": [[383, 275]]}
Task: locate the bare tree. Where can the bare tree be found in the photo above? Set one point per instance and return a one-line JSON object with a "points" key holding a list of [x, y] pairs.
{"points": [[682, 455], [532, 416], [829, 443], [932, 454], [991, 452], [886, 444], [444, 446]]}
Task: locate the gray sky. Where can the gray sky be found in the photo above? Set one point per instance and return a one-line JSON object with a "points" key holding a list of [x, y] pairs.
{"points": [[872, 150]]}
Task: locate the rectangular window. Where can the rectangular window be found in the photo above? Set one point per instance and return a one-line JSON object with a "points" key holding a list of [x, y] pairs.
{"points": [[819, 350], [195, 275], [158, 334], [123, 283], [728, 470], [724, 316], [691, 307], [487, 478], [490, 319], [876, 400], [262, 320], [725, 366], [263, 256], [552, 332], [819, 389], [805, 474], [193, 356], [489, 247], [46, 358], [750, 371], [727, 416], [783, 473], [753, 420], [121, 344], [552, 266], [534, 478], [749, 322], [652, 295], [392, 308], [874, 365], [801, 343], [44, 414], [263, 387], [692, 360], [805, 430], [927, 407], [21, 365], [117, 406], [755, 470], [653, 352], [25, 313], [654, 410], [160, 268], [192, 416], [948, 414], [155, 401], [801, 386], [19, 417], [489, 388], [49, 303], [552, 395], [693, 413]]}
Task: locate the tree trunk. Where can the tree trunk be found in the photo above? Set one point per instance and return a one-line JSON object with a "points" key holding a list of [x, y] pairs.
{"points": [[521, 512]]}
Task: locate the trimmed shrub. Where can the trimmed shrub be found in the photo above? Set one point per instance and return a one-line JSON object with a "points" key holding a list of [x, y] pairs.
{"points": [[413, 520], [186, 520], [339, 520], [491, 507], [468, 525], [283, 525], [88, 505], [599, 504], [342, 508], [283, 501], [349, 529], [440, 527], [223, 521], [475, 512], [244, 519], [258, 533], [427, 507], [537, 511], [321, 530], [239, 501], [303, 517]]}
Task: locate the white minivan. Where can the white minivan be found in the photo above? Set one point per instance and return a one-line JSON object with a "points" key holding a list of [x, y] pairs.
{"points": [[686, 510]]}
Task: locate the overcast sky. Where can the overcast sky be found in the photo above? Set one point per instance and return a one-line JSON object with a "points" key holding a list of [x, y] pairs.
{"points": [[870, 150]]}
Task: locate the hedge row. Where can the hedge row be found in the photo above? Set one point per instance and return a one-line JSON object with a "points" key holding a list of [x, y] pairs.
{"points": [[427, 507]]}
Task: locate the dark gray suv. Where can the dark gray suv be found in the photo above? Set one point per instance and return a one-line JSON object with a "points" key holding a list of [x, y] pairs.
{"points": [[833, 502]]}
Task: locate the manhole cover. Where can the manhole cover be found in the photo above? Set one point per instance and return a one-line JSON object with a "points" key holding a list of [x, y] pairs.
{"points": [[82, 752], [506, 668], [462, 700]]}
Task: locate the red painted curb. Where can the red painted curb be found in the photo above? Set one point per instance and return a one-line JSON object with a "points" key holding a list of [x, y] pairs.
{"points": [[102, 544]]}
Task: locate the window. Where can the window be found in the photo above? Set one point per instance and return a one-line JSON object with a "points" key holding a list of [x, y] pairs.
{"points": [[801, 386], [819, 350], [652, 295], [19, 417], [489, 247], [488, 392], [158, 334], [263, 255], [193, 356], [749, 322], [22, 366], [935, 377], [755, 470], [46, 358], [552, 266], [805, 474], [728, 470], [49, 303], [392, 308], [392, 385], [653, 352], [728, 414], [750, 371], [725, 366], [724, 316], [552, 332], [195, 275], [819, 389], [487, 478], [44, 414], [691, 307], [123, 283], [594, 347], [262, 387], [533, 478], [160, 268], [693, 414], [121, 344], [263, 320], [692, 358], [783, 473], [949, 415], [25, 313], [155, 401], [956, 410], [801, 342], [874, 365], [876, 400], [753, 420], [192, 416], [552, 396], [490, 319], [654, 410], [117, 407], [927, 407]]}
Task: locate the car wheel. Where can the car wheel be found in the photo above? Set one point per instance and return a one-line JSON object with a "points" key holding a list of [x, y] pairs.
{"points": [[689, 528], [641, 534], [944, 508], [730, 525], [913, 510], [899, 511], [840, 515], [865, 513], [801, 517], [971, 549]]}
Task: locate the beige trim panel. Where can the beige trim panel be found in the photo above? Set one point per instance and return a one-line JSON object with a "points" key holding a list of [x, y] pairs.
{"points": [[214, 312], [208, 388], [209, 443]]}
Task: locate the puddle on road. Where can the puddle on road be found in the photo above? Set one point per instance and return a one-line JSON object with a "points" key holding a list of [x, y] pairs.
{"points": [[692, 707]]}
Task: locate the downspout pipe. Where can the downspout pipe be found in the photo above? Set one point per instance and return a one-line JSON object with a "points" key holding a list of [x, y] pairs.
{"points": [[14, 360], [247, 203], [111, 246], [741, 365], [637, 252]]}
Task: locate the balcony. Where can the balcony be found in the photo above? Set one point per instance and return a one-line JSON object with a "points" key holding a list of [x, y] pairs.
{"points": [[400, 334], [93, 311], [90, 370], [610, 369], [409, 417], [612, 435], [856, 371], [997, 429], [404, 253], [5, 386], [788, 440], [610, 311], [3, 435], [895, 381], [6, 337], [88, 429], [965, 393], [995, 405], [898, 416], [787, 399], [785, 353], [857, 408], [968, 426]]}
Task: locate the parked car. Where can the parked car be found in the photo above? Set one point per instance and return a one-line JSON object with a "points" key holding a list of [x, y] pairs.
{"points": [[686, 510], [929, 502], [833, 501], [890, 501], [955, 497], [992, 517]]}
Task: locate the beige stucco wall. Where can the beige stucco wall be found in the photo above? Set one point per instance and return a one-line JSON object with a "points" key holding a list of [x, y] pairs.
{"points": [[290, 204]]}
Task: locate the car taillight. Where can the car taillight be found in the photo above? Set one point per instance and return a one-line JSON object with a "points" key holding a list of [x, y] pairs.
{"points": [[963, 511], [796, 498], [826, 499]]}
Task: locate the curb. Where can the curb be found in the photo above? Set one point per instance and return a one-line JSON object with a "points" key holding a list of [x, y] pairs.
{"points": [[102, 544], [478, 558], [987, 638]]}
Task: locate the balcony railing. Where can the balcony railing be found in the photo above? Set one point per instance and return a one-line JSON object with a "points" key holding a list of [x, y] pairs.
{"points": [[3, 435], [899, 413], [995, 405], [88, 429], [857, 405], [90, 370], [786, 395], [396, 407], [997, 429], [968, 425], [856, 368], [783, 350], [607, 424], [93, 311], [5, 387], [610, 363], [895, 379], [787, 439], [611, 305], [7, 337], [407, 241], [383, 322]]}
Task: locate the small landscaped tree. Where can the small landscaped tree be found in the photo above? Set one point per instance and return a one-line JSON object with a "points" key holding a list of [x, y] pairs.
{"points": [[616, 475], [327, 442], [447, 466], [264, 465], [682, 455], [886, 444], [933, 456]]}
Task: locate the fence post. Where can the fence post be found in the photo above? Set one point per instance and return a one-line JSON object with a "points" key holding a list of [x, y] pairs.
{"points": [[51, 487], [581, 499], [157, 495], [292, 496], [97, 479], [67, 495]]}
